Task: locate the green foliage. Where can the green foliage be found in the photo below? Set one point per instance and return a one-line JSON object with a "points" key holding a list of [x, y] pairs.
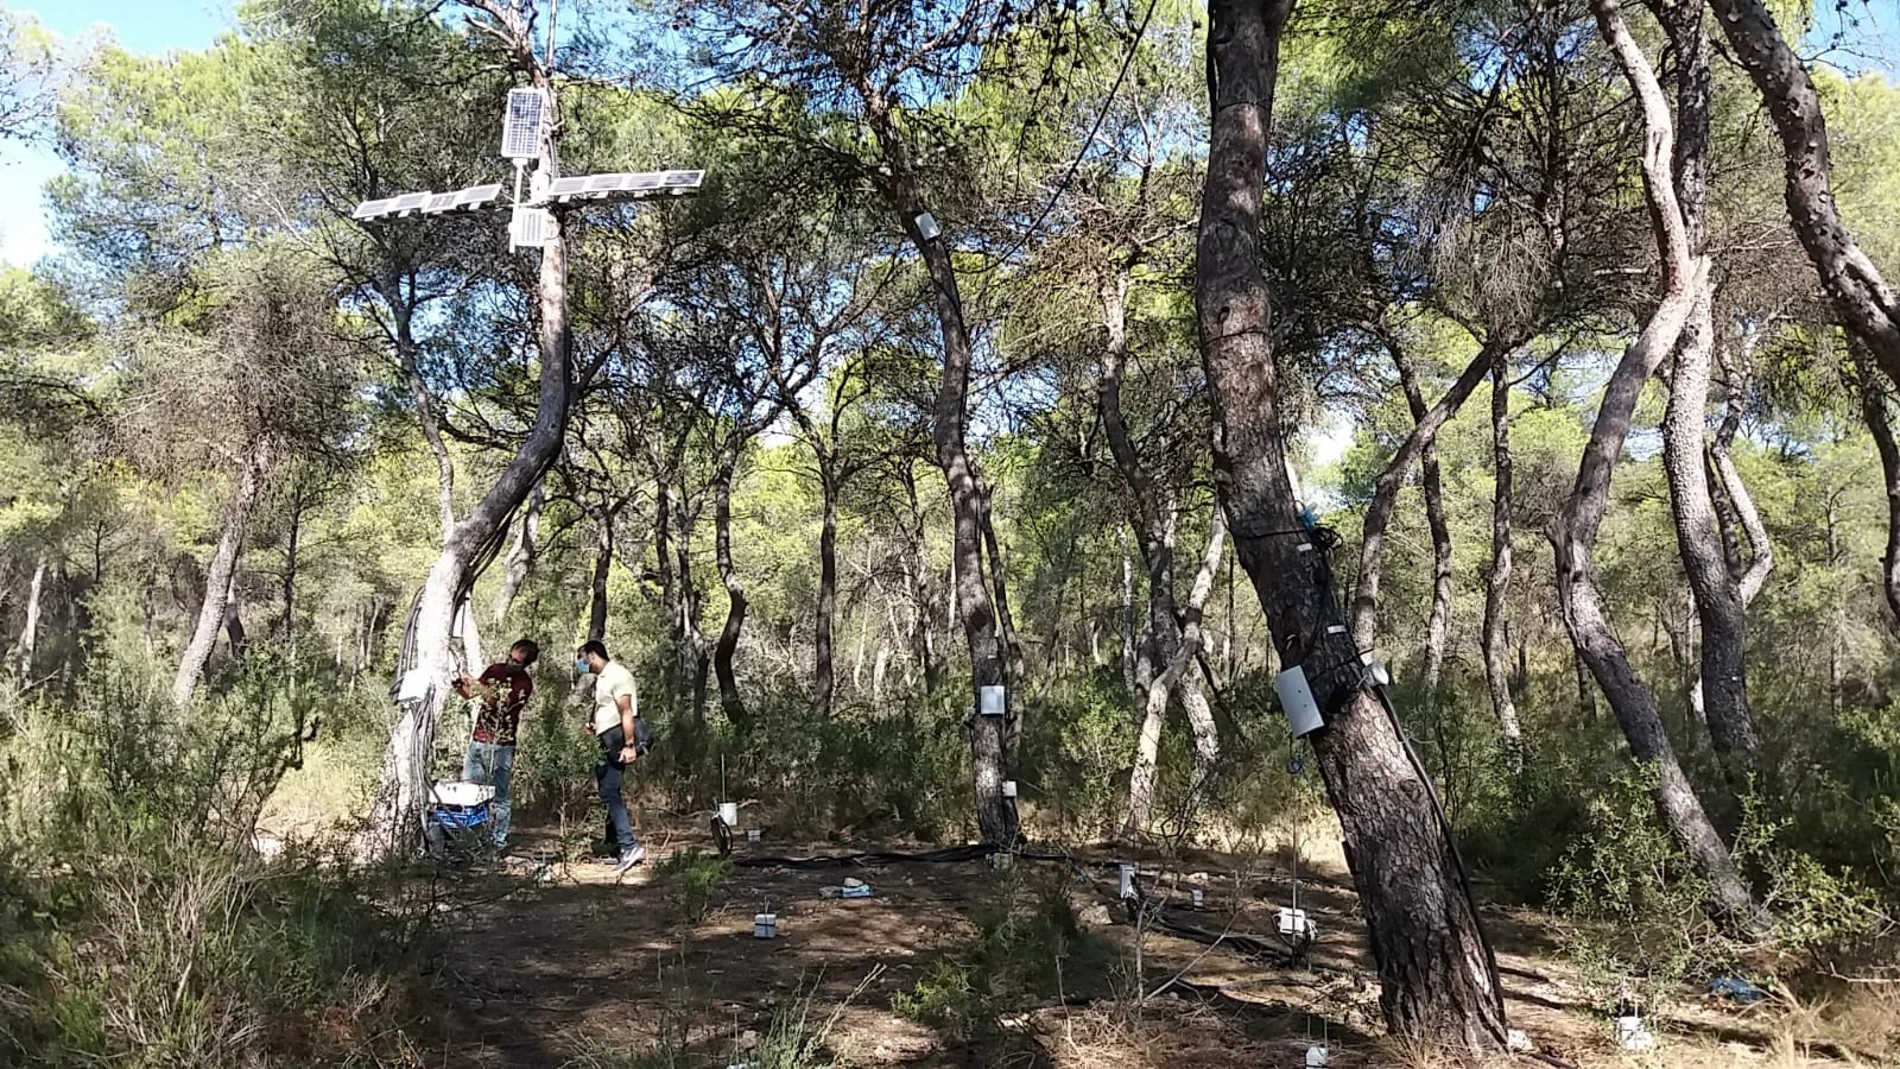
{"points": [[1028, 944], [691, 878]]}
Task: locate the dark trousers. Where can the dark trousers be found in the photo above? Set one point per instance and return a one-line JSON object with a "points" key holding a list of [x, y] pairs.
{"points": [[610, 776]]}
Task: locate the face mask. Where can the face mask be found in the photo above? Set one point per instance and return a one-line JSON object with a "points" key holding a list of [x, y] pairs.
{"points": [[580, 665]]}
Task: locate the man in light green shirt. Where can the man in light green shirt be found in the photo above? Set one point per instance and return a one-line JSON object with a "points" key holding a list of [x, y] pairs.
{"points": [[616, 726]]}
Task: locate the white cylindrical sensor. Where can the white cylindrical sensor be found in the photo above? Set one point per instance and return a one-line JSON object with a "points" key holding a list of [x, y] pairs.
{"points": [[1296, 700]]}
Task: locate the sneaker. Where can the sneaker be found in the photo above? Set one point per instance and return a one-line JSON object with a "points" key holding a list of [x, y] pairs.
{"points": [[629, 858]]}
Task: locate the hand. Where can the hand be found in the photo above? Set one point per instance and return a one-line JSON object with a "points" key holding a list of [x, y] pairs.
{"points": [[628, 755]]}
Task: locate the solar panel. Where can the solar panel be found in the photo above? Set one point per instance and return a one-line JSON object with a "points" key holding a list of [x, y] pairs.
{"points": [[601, 183], [370, 209], [567, 187], [684, 179], [477, 196], [521, 125], [644, 180], [408, 202], [438, 202]]}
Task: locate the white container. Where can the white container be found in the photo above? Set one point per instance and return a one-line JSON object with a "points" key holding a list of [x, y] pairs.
{"points": [[1318, 1057], [1296, 701], [989, 700], [729, 814], [752, 835], [1295, 924], [1195, 897], [1009, 788], [1632, 1036], [765, 926], [1128, 880], [463, 794]]}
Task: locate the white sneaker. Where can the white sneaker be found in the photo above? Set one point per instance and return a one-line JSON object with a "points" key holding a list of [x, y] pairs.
{"points": [[629, 858]]}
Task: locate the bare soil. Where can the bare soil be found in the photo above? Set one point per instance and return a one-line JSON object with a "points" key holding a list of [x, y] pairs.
{"points": [[582, 968]]}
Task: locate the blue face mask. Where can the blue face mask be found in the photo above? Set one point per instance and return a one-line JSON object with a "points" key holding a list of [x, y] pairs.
{"points": [[581, 666]]}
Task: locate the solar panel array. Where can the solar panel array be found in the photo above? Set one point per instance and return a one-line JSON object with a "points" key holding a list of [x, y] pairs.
{"points": [[625, 185], [521, 125], [461, 200]]}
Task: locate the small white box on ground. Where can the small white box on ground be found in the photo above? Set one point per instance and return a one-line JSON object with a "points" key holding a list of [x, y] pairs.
{"points": [[1195, 897], [1294, 923], [765, 926], [1318, 1058], [989, 700], [752, 835]]}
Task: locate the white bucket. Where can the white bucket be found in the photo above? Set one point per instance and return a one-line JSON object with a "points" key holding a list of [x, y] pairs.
{"points": [[729, 814], [1318, 1058]]}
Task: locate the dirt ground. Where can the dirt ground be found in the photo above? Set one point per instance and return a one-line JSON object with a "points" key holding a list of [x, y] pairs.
{"points": [[580, 968]]}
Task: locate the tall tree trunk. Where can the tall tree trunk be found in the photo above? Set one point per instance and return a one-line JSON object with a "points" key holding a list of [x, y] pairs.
{"points": [[218, 576], [1573, 535], [1722, 680], [290, 571], [1128, 627], [923, 599], [30, 632], [694, 651], [521, 556], [234, 622], [730, 700], [1865, 304], [995, 814], [1497, 584], [396, 818], [824, 669], [1761, 549], [1385, 495], [1438, 623], [1873, 411], [603, 567], [1437, 980]]}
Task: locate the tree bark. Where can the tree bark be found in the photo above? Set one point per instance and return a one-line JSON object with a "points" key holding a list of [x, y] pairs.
{"points": [[824, 670], [290, 571], [1865, 304], [1438, 623], [603, 566], [1761, 549], [218, 576], [1385, 495], [521, 556], [1437, 980], [923, 635], [731, 702], [396, 818], [1573, 534], [1497, 584]]}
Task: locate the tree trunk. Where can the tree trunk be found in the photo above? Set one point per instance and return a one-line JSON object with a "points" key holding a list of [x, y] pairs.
{"points": [[1573, 534], [824, 671], [1437, 980], [1862, 299], [695, 652], [730, 701], [396, 818], [30, 632], [603, 566], [1385, 495], [290, 572], [233, 623], [1440, 619], [923, 599], [1873, 411], [521, 556], [1722, 680], [1761, 549], [1497, 584], [218, 576]]}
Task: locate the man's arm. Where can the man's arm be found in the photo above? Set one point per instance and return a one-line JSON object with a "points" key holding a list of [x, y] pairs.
{"points": [[627, 713]]}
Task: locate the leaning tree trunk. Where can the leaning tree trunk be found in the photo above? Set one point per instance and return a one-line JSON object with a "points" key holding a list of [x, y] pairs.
{"points": [[824, 656], [730, 700], [396, 817], [1722, 680], [1761, 548], [1573, 535], [1862, 299], [1497, 583], [1385, 495], [218, 576], [1439, 622], [1437, 980]]}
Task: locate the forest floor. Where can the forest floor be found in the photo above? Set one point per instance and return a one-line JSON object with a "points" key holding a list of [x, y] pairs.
{"points": [[578, 967]]}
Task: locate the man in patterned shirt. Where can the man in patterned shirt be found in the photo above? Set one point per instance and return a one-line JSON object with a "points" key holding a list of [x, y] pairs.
{"points": [[500, 695]]}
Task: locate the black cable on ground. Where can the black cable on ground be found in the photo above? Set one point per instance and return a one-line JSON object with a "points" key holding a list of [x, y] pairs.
{"points": [[874, 857]]}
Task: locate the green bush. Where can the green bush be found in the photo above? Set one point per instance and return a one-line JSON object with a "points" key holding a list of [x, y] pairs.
{"points": [[691, 878]]}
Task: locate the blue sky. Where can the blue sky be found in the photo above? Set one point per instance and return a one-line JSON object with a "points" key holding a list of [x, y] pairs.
{"points": [[158, 26]]}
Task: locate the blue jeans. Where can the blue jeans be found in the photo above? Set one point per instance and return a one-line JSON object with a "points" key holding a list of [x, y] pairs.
{"points": [[494, 765], [610, 776]]}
